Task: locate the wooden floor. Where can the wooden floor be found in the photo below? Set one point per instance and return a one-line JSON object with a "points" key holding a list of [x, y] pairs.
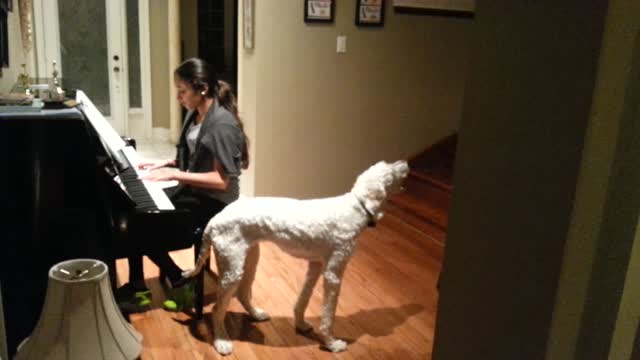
{"points": [[386, 308]]}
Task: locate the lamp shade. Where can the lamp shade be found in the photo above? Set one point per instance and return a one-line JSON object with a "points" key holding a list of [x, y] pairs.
{"points": [[80, 318]]}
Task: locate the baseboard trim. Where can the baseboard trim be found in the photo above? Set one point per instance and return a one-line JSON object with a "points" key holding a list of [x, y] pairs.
{"points": [[160, 134]]}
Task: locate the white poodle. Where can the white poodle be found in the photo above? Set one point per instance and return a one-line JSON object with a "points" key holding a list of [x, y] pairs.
{"points": [[323, 231]]}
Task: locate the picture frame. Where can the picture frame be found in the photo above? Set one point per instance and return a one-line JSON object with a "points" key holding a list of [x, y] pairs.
{"points": [[370, 12], [456, 8], [319, 11]]}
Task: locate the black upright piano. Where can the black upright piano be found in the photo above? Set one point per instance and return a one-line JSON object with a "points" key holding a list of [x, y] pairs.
{"points": [[69, 190]]}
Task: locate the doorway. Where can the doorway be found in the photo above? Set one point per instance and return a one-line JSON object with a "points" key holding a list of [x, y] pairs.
{"points": [[98, 49], [218, 37]]}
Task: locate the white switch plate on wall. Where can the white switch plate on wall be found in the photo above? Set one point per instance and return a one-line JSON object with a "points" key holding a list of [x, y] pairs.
{"points": [[341, 44]]}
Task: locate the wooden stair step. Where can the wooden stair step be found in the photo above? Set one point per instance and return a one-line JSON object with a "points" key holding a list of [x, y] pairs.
{"points": [[438, 155], [431, 244], [421, 209], [419, 215], [424, 205], [439, 179], [426, 227], [436, 195]]}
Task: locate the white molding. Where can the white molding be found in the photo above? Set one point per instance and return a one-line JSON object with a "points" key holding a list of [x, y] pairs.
{"points": [[47, 37], [175, 113], [145, 66], [137, 126], [121, 22], [118, 83], [160, 134]]}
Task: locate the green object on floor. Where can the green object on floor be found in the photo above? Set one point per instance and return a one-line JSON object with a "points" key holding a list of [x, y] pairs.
{"points": [[181, 298], [132, 300], [143, 295], [144, 302], [171, 305]]}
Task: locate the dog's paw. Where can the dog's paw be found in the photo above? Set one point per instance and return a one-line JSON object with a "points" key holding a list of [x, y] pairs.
{"points": [[223, 347], [260, 315], [303, 327], [336, 345]]}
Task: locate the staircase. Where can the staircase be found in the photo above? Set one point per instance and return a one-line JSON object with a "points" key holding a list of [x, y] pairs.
{"points": [[424, 205]]}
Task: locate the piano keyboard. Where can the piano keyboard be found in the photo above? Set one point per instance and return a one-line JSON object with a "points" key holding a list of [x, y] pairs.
{"points": [[148, 195]]}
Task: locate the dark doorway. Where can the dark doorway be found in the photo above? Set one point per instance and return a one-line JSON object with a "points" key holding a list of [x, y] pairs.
{"points": [[218, 37]]}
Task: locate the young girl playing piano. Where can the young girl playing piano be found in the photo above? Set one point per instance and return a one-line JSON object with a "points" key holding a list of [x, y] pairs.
{"points": [[211, 153]]}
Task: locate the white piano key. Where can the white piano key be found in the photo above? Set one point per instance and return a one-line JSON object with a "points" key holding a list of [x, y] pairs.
{"points": [[155, 188]]}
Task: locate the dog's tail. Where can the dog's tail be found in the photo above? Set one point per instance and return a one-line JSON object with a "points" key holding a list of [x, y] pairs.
{"points": [[205, 251]]}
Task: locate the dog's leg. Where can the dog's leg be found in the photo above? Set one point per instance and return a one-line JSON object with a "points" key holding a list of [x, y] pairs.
{"points": [[313, 273], [332, 281], [244, 291], [230, 267], [221, 341]]}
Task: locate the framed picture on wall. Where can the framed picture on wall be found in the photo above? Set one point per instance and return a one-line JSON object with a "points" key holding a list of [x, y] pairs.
{"points": [[370, 12], [463, 8], [247, 23], [319, 11]]}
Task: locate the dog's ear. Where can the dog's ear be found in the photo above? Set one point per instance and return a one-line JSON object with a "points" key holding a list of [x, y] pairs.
{"points": [[379, 192], [374, 200], [373, 206]]}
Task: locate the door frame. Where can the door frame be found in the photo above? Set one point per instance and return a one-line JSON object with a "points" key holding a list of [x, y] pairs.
{"points": [[47, 47]]}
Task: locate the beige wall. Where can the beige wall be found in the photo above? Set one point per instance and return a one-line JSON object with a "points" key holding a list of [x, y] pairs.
{"points": [[319, 118], [526, 113], [189, 27], [603, 218], [247, 106], [629, 312], [16, 54], [158, 19]]}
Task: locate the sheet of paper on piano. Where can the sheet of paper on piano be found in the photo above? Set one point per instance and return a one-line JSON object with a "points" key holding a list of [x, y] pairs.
{"points": [[115, 144], [102, 126]]}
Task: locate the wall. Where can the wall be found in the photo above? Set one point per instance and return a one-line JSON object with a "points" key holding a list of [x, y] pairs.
{"points": [[247, 105], [526, 113], [628, 315], [189, 28], [318, 118], [158, 18], [605, 213], [16, 54]]}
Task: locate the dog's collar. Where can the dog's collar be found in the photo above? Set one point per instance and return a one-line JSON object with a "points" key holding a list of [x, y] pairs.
{"points": [[372, 218]]}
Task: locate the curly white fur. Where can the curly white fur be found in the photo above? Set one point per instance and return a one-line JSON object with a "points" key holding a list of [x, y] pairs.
{"points": [[323, 231]]}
